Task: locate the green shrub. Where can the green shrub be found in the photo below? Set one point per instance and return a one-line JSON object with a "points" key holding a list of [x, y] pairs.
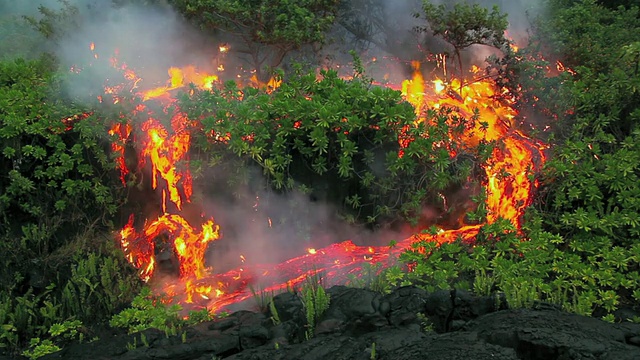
{"points": [[58, 333], [335, 140], [58, 178], [540, 267], [58, 195], [92, 288], [149, 311]]}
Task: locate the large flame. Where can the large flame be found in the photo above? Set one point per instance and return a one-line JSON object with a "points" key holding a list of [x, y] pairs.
{"points": [[164, 149], [509, 189]]}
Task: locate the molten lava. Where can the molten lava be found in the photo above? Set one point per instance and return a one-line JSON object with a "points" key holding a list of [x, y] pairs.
{"points": [[163, 149]]}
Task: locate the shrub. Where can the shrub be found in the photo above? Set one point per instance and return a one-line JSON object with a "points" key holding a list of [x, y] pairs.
{"points": [[58, 196], [338, 141]]}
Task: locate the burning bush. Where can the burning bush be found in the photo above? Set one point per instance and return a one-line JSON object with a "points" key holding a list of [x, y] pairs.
{"points": [[344, 142]]}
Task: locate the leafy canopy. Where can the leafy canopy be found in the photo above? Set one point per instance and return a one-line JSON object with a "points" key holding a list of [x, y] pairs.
{"points": [[284, 23], [464, 24]]}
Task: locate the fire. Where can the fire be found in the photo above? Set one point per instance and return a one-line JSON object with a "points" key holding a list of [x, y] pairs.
{"points": [[179, 78], [164, 150], [508, 189], [122, 132], [413, 89]]}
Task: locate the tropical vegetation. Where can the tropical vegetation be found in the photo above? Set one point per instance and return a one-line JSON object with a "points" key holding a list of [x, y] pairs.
{"points": [[335, 140]]}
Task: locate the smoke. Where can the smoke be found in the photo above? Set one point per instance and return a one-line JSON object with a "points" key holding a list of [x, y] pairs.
{"points": [[148, 38], [266, 227], [26, 8], [386, 30]]}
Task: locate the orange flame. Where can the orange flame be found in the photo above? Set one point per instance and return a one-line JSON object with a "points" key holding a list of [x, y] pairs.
{"points": [[413, 89], [165, 151]]}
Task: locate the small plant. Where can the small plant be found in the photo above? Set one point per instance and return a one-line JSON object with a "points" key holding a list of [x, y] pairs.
{"points": [[483, 283], [373, 355], [315, 301], [58, 332], [376, 278], [39, 348], [634, 319], [143, 340], [200, 316], [262, 298], [148, 311], [610, 318], [274, 313], [425, 322], [132, 346]]}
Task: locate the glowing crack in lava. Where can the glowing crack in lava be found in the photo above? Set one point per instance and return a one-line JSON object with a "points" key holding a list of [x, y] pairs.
{"points": [[508, 190]]}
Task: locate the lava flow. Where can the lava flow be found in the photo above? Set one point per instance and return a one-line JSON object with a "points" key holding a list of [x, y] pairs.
{"points": [[163, 149]]}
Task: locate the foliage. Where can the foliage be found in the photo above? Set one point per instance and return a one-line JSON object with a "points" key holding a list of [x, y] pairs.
{"points": [[281, 25], [464, 24], [379, 278], [57, 172], [148, 311], [262, 298], [19, 40], [425, 322], [337, 140], [97, 286], [56, 24], [315, 301], [591, 186], [68, 330], [582, 278], [587, 206], [368, 22], [57, 198], [275, 317]]}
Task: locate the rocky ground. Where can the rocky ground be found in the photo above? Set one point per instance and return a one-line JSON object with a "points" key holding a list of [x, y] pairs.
{"points": [[361, 324]]}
